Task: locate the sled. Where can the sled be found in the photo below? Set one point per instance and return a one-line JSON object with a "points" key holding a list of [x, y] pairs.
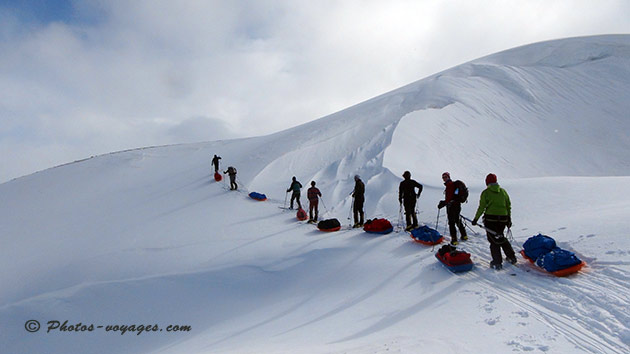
{"points": [[426, 236], [329, 225], [378, 226], [258, 196], [301, 214], [218, 177], [455, 268], [559, 273]]}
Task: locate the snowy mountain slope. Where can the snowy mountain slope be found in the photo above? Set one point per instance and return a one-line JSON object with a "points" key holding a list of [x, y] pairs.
{"points": [[145, 236]]}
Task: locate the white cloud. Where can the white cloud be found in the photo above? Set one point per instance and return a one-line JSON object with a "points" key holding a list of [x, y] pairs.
{"points": [[138, 73]]}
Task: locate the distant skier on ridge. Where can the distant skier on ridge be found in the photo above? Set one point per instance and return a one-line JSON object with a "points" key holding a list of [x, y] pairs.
{"points": [[215, 162], [232, 172]]}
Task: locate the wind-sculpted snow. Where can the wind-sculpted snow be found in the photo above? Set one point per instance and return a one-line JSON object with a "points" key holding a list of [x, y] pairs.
{"points": [[147, 238]]}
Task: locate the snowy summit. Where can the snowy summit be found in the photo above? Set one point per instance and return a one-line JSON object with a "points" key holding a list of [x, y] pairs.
{"points": [[142, 251]]}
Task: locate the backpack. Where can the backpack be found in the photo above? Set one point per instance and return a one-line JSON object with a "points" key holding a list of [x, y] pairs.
{"points": [[231, 170], [557, 259], [538, 245], [461, 192]]}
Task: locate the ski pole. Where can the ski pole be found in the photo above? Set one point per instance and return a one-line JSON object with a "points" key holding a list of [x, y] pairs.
{"points": [[400, 217], [323, 204], [351, 208], [438, 219], [491, 232]]}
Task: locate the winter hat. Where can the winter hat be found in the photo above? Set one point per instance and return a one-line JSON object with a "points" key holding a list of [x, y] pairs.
{"points": [[356, 177], [294, 178], [407, 174], [313, 183], [447, 175], [491, 178]]}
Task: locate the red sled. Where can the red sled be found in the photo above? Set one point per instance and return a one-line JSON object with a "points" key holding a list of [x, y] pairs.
{"points": [[559, 273], [455, 261], [378, 226], [218, 177], [301, 214]]}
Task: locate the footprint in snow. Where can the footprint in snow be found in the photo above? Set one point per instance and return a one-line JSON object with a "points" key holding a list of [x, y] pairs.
{"points": [[492, 321]]}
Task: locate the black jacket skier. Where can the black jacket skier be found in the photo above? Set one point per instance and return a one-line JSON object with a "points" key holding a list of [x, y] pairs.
{"points": [[407, 196], [215, 162], [295, 187], [359, 199]]}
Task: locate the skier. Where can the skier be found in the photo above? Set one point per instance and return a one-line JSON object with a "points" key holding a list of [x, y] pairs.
{"points": [[495, 204], [215, 162], [295, 187], [453, 209], [407, 196], [359, 198], [313, 195], [232, 172]]}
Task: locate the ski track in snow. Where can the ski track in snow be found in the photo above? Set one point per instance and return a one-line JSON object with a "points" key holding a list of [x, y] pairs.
{"points": [[588, 308]]}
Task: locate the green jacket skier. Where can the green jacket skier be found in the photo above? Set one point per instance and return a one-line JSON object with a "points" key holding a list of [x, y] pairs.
{"points": [[495, 205]]}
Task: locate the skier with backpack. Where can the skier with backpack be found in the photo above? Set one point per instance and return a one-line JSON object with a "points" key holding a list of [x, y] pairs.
{"points": [[495, 205], [359, 198], [231, 171], [313, 195], [455, 194], [295, 187], [407, 196]]}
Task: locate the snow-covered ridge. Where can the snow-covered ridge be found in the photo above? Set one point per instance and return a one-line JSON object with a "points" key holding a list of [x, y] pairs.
{"points": [[145, 236]]}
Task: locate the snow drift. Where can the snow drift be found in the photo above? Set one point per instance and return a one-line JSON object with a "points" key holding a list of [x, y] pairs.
{"points": [[148, 237]]}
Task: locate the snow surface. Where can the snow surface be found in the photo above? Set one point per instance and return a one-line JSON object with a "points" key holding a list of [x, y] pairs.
{"points": [[147, 237]]}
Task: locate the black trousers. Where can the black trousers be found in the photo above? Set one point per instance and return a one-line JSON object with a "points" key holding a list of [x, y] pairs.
{"points": [[410, 212], [454, 221], [358, 210], [498, 223], [233, 184], [296, 196]]}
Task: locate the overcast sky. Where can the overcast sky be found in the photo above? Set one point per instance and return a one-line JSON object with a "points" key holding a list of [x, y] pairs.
{"points": [[81, 78]]}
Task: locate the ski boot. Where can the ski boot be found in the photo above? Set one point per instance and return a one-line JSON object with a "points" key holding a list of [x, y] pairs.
{"points": [[496, 266]]}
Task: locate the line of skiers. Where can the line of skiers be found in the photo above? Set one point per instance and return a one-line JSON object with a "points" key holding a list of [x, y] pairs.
{"points": [[494, 206]]}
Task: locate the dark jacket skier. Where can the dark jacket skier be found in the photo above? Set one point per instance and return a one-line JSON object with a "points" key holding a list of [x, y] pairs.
{"points": [[495, 205], [215, 162], [453, 209], [407, 196], [313, 195], [232, 172], [295, 187], [359, 198]]}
